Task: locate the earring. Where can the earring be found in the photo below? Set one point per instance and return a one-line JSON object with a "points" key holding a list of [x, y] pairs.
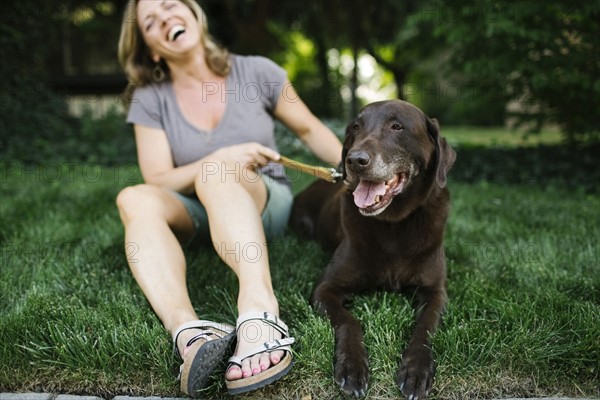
{"points": [[158, 74]]}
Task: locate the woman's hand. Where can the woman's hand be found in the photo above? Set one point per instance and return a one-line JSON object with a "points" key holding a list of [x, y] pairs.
{"points": [[251, 155]]}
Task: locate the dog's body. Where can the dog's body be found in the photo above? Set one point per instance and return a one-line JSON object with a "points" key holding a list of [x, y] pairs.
{"points": [[386, 223]]}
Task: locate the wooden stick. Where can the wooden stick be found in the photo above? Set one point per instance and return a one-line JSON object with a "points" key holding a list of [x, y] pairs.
{"points": [[328, 174]]}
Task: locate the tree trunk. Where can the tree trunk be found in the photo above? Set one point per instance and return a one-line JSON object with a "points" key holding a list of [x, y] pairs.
{"points": [[325, 97], [399, 72], [400, 79], [354, 82]]}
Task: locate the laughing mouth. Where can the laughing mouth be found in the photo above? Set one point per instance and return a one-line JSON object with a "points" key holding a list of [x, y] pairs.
{"points": [[175, 32], [372, 198]]}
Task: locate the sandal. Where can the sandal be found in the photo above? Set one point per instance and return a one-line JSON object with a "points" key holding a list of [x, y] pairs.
{"points": [[274, 372], [209, 348]]}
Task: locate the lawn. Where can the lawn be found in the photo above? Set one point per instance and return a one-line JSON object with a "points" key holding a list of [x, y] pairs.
{"points": [[524, 285]]}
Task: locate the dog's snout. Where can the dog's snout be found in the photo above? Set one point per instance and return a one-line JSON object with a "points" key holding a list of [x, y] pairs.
{"points": [[359, 159]]}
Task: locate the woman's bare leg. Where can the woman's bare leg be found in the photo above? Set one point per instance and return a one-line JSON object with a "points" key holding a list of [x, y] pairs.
{"points": [[152, 218], [234, 201]]}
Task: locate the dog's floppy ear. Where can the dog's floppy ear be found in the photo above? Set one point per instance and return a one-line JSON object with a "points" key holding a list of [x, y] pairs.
{"points": [[445, 155]]}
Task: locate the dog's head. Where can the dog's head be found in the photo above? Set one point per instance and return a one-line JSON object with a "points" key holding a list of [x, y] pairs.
{"points": [[392, 148]]}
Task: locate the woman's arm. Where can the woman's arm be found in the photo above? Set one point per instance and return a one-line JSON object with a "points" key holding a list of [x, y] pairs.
{"points": [[156, 162], [292, 111]]}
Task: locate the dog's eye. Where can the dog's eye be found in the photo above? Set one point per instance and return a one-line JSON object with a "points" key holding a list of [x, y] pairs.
{"points": [[355, 126], [397, 127]]}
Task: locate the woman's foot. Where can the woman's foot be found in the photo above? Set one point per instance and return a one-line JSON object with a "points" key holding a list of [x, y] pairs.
{"points": [[263, 354], [183, 341], [250, 335], [202, 345]]}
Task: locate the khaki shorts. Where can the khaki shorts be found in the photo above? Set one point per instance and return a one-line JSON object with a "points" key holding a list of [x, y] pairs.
{"points": [[274, 216]]}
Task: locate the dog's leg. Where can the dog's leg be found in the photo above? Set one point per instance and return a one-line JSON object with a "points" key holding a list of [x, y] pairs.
{"points": [[417, 368], [351, 361]]}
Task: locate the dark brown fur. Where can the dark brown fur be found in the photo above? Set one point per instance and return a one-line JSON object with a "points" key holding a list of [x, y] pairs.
{"points": [[399, 249]]}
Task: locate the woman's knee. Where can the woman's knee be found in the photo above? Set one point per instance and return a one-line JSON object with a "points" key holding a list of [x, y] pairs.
{"points": [[217, 171], [139, 200]]}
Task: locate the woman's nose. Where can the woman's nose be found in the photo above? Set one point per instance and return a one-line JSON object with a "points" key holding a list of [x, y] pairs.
{"points": [[164, 18]]}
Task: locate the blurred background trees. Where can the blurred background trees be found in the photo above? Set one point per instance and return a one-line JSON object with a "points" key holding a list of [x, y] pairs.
{"points": [[524, 63], [541, 59]]}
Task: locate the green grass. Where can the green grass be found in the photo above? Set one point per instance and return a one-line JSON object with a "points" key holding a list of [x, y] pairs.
{"points": [[524, 288], [499, 137]]}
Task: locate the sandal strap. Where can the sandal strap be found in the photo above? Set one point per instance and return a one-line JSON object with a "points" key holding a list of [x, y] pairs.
{"points": [[267, 318], [267, 347], [273, 321], [207, 328]]}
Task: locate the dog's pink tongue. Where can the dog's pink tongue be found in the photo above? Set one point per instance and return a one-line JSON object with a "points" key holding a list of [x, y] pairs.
{"points": [[365, 193]]}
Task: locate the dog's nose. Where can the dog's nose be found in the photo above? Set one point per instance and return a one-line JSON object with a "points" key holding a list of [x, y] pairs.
{"points": [[358, 159]]}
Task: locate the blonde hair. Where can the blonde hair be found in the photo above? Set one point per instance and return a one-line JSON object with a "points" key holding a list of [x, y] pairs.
{"points": [[134, 55]]}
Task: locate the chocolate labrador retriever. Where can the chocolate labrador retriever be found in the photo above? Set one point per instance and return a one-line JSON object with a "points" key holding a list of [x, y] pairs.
{"points": [[386, 223]]}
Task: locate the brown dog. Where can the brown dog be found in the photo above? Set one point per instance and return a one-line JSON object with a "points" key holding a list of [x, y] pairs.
{"points": [[386, 223]]}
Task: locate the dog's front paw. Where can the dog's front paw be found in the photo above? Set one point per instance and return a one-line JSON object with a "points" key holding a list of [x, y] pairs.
{"points": [[352, 372], [416, 373]]}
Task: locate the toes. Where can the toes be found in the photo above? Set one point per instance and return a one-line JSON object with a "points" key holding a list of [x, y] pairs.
{"points": [[246, 369], [275, 357], [233, 373], [255, 365], [249, 334], [265, 361], [416, 374], [252, 366]]}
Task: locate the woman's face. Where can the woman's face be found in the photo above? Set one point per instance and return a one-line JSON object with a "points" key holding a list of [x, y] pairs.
{"points": [[169, 27]]}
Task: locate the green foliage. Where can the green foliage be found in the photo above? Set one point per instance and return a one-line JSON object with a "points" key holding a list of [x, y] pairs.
{"points": [[543, 54], [31, 116], [320, 91], [461, 61], [453, 101], [542, 166], [35, 124], [26, 31], [542, 160], [30, 112], [106, 140]]}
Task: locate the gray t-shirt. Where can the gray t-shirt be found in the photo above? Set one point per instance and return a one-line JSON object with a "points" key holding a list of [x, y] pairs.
{"points": [[252, 89]]}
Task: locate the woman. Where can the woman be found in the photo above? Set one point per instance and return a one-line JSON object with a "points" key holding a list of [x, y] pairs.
{"points": [[203, 122]]}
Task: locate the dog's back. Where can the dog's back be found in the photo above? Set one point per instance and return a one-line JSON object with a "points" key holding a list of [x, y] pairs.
{"points": [[316, 213]]}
